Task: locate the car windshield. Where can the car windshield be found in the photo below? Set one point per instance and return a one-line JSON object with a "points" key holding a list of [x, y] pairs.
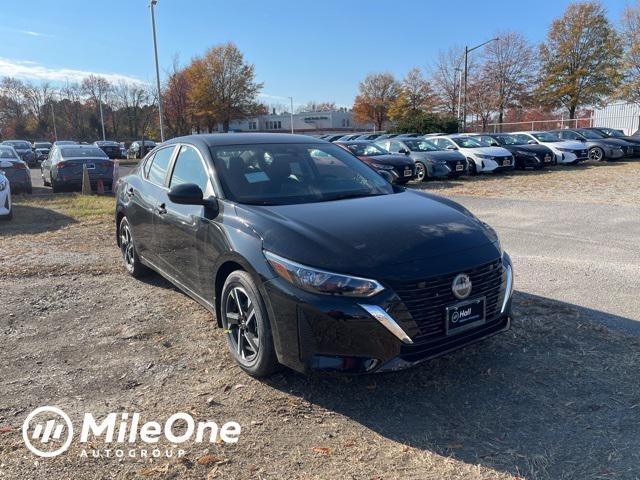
{"points": [[42, 145], [615, 133], [6, 152], [467, 142], [20, 145], [486, 140], [66, 142], [512, 139], [80, 152], [421, 146], [366, 149], [547, 137], [592, 134], [286, 174]]}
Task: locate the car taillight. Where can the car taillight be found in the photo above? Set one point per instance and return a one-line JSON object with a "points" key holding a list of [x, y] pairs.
{"points": [[62, 164], [19, 166]]}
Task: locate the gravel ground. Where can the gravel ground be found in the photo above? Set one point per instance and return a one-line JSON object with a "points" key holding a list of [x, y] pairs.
{"points": [[557, 397]]}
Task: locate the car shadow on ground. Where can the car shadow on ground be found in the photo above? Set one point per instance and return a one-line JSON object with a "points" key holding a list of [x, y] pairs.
{"points": [[556, 397], [28, 219]]}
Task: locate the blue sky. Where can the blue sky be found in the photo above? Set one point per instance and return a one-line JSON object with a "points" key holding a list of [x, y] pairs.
{"points": [[313, 50]]}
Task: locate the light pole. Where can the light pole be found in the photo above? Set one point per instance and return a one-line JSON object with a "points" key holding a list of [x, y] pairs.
{"points": [[152, 4], [291, 98], [458, 70], [53, 116], [467, 51], [104, 137]]}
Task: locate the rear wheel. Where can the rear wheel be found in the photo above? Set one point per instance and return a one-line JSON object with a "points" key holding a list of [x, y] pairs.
{"points": [[54, 186], [128, 250], [246, 325]]}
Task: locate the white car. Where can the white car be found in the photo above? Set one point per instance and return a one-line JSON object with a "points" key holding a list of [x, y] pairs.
{"points": [[480, 158], [565, 151], [6, 213]]}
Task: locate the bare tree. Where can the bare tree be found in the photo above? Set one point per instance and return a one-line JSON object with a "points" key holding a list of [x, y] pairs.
{"points": [[445, 78], [482, 100], [509, 68], [313, 106], [630, 90]]}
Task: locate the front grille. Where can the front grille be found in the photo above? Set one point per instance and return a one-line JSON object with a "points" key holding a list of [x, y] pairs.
{"points": [[427, 300]]}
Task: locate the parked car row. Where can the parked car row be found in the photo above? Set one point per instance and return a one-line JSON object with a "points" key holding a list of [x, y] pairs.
{"points": [[438, 155]]}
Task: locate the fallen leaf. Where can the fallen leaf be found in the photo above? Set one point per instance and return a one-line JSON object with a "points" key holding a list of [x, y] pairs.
{"points": [[322, 450], [206, 460]]}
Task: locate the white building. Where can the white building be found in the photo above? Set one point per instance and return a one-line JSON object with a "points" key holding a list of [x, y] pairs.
{"points": [[618, 115], [307, 122]]}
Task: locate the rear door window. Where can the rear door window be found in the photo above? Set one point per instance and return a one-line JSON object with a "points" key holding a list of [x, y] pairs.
{"points": [[159, 165]]}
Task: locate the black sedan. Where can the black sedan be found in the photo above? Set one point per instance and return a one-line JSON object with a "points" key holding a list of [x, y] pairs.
{"points": [[15, 169], [307, 257], [112, 149], [24, 150], [402, 166], [64, 167], [613, 134], [525, 154], [41, 150]]}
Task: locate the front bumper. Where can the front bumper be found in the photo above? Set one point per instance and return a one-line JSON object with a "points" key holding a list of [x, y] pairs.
{"points": [[390, 331], [447, 169]]}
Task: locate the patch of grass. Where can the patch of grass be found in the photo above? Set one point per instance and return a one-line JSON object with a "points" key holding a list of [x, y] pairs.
{"points": [[74, 205]]}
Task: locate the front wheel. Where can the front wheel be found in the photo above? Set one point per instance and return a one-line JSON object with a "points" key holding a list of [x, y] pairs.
{"points": [[421, 172], [473, 168], [596, 154], [246, 325]]}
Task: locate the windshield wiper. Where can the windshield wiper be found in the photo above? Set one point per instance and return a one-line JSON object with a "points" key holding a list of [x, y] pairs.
{"points": [[343, 196]]}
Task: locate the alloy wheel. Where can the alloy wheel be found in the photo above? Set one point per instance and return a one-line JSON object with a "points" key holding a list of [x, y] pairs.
{"points": [[242, 325], [596, 154], [126, 246], [421, 173]]}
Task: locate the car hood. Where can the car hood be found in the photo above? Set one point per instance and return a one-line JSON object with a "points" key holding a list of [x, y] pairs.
{"points": [[395, 160], [541, 149], [362, 235], [443, 156], [568, 144], [495, 151]]}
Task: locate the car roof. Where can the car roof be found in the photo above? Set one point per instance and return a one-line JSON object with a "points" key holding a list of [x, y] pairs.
{"points": [[222, 139]]}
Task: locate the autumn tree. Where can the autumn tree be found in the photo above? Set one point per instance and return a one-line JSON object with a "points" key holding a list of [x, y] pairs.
{"points": [[175, 101], [580, 60], [630, 89], [482, 100], [509, 69], [415, 95], [377, 92], [226, 83], [445, 78]]}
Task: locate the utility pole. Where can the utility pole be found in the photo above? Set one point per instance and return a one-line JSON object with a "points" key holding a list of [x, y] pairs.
{"points": [[53, 116], [152, 4], [291, 98], [467, 51], [104, 137]]}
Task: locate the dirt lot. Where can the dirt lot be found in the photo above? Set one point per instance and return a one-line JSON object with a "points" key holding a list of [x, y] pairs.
{"points": [[555, 398]]}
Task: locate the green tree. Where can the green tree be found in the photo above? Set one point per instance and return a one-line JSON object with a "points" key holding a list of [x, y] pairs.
{"points": [[580, 60]]}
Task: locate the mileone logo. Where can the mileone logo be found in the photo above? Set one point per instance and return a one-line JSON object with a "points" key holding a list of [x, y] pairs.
{"points": [[48, 432]]}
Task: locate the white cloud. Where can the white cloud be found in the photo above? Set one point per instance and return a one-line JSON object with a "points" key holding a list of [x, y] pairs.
{"points": [[28, 70]]}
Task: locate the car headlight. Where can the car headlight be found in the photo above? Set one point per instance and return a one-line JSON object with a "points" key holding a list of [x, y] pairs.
{"points": [[320, 281], [568, 150], [528, 154], [482, 155], [379, 166]]}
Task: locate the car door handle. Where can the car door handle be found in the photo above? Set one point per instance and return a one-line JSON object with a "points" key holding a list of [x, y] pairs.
{"points": [[162, 209]]}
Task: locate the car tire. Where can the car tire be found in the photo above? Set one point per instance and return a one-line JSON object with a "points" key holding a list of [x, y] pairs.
{"points": [[54, 186], [8, 216], [421, 172], [247, 326], [596, 154], [130, 257], [473, 168]]}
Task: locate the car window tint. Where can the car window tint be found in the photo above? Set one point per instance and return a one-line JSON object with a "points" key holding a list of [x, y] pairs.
{"points": [[159, 164], [189, 169]]}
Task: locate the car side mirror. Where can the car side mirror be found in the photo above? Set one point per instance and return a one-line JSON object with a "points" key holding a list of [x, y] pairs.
{"points": [[451, 147], [404, 150], [191, 194], [386, 175], [495, 144], [583, 140], [532, 142]]}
